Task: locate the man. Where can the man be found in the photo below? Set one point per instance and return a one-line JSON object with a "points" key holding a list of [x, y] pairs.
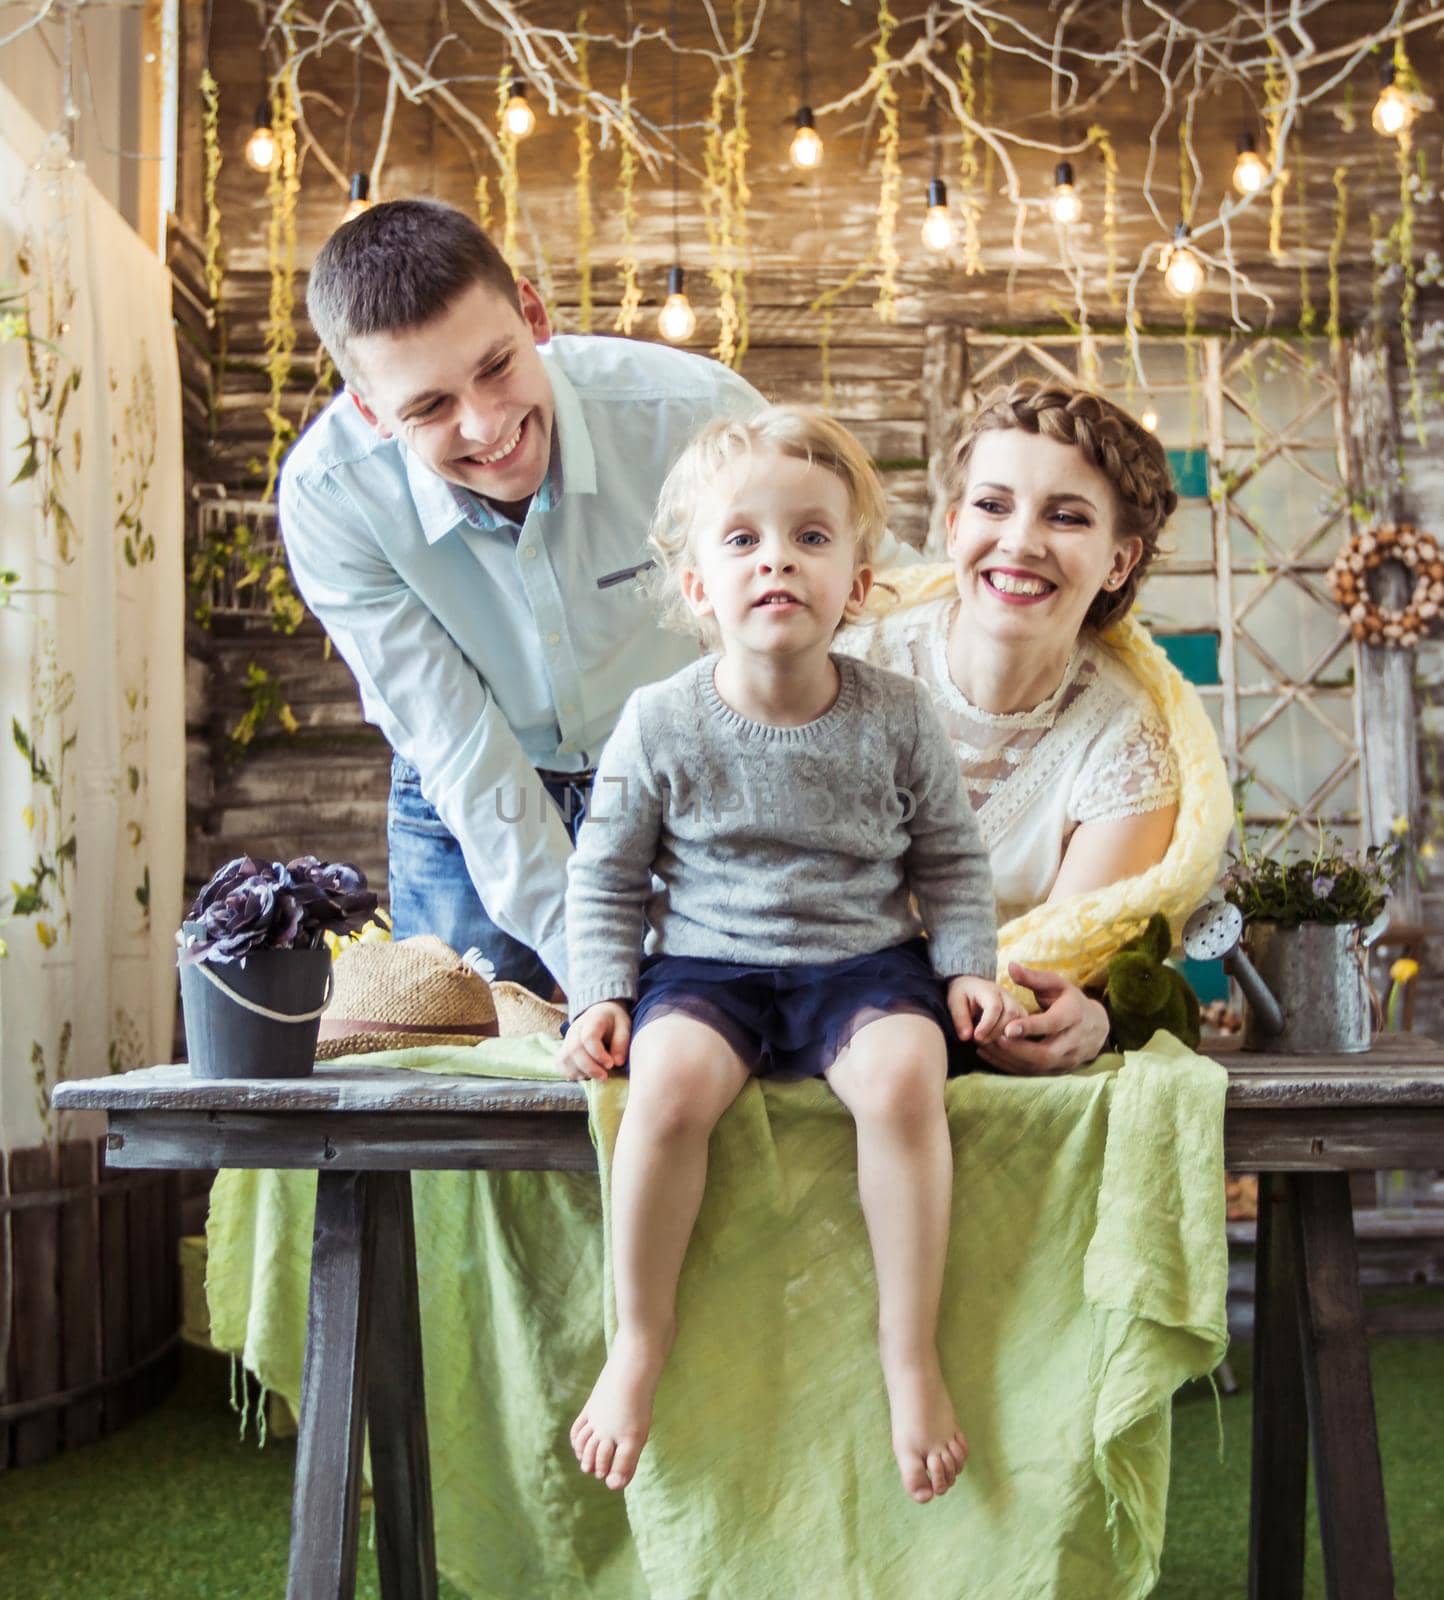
{"points": [[468, 520]]}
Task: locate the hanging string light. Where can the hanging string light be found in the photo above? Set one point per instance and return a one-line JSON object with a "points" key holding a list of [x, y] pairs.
{"points": [[937, 230], [806, 149], [1181, 268], [261, 146], [360, 197], [1065, 204], [677, 321], [517, 117], [1148, 417], [1250, 170], [1393, 110]]}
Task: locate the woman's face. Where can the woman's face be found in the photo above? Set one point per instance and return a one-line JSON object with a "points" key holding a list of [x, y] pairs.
{"points": [[1033, 538]]}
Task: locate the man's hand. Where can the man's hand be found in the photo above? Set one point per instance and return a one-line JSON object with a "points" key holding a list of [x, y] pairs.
{"points": [[980, 1008], [1068, 1030], [596, 1042]]}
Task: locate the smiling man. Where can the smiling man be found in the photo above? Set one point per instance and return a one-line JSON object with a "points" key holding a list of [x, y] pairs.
{"points": [[467, 520]]}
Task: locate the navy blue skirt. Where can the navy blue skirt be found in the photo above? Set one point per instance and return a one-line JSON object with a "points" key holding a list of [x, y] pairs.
{"points": [[793, 1022]]}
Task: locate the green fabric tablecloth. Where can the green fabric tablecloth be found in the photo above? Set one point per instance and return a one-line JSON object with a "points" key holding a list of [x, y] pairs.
{"points": [[1086, 1280]]}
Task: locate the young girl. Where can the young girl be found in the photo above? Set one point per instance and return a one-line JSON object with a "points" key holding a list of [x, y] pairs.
{"points": [[766, 814]]}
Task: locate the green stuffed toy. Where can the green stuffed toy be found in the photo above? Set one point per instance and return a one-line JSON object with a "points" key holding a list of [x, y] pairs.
{"points": [[1144, 994]]}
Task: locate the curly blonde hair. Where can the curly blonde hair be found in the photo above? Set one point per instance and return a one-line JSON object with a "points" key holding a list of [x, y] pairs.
{"points": [[802, 432], [1122, 449]]}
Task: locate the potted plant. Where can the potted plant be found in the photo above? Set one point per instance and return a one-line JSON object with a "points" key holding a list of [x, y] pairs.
{"points": [[1305, 923], [255, 970]]}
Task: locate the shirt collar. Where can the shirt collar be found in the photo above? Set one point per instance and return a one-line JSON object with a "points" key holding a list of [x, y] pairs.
{"points": [[440, 505]]}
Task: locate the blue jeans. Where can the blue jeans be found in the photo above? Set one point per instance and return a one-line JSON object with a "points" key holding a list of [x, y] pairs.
{"points": [[431, 889]]}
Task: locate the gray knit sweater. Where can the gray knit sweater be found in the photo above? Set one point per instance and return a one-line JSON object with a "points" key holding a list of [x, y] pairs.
{"points": [[775, 846]]}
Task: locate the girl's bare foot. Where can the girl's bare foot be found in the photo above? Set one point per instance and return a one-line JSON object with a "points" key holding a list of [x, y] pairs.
{"points": [[926, 1438], [612, 1426]]}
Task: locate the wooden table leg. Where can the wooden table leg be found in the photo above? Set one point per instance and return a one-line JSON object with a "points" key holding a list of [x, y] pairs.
{"points": [[327, 1495], [1348, 1475], [396, 1402], [1280, 1422]]}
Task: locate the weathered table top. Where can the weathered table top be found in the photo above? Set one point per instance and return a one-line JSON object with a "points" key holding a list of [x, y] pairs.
{"points": [[1400, 1070]]}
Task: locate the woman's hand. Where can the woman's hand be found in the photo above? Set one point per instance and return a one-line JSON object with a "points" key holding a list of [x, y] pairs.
{"points": [[1068, 1029], [596, 1042]]}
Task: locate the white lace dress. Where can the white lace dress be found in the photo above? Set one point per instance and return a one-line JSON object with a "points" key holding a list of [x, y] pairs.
{"points": [[1094, 750]]}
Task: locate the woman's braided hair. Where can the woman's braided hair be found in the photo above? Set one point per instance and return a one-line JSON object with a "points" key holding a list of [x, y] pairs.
{"points": [[1122, 449]]}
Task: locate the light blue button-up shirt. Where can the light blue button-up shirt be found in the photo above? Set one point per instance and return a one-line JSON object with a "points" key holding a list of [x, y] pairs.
{"points": [[483, 650]]}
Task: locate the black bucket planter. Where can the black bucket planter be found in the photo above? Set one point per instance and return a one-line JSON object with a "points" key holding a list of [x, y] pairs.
{"points": [[225, 1038]]}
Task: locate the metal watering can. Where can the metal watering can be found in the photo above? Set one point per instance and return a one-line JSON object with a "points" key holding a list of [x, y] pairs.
{"points": [[1305, 988]]}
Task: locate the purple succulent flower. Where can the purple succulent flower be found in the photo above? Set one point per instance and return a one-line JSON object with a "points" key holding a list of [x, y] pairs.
{"points": [[252, 905], [1323, 886]]}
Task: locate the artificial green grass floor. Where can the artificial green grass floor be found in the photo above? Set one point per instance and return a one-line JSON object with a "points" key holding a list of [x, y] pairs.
{"points": [[176, 1505]]}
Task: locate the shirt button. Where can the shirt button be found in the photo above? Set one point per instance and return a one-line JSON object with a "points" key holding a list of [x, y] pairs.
{"points": [[554, 638], [529, 551]]}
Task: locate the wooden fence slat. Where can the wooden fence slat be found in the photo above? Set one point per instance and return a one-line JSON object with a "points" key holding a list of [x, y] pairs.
{"points": [[35, 1334], [116, 1352], [80, 1291], [141, 1231], [7, 1323]]}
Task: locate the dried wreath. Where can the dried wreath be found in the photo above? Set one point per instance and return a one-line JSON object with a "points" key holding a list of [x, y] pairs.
{"points": [[1392, 627]]}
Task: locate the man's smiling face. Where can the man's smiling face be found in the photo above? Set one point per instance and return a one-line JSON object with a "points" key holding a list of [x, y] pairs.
{"points": [[467, 392]]}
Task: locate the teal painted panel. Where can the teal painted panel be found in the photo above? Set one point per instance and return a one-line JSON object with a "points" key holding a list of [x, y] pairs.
{"points": [[1190, 473], [1207, 978], [1194, 654]]}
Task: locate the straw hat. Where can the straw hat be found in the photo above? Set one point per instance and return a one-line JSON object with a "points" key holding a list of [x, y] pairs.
{"points": [[397, 995], [519, 1011], [394, 995]]}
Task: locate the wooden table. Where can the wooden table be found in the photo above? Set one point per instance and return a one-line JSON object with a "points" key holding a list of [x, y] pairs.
{"points": [[1303, 1123]]}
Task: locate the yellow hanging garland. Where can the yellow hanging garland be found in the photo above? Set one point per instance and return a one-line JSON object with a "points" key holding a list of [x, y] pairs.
{"points": [[210, 132], [483, 202], [825, 303], [1099, 136], [890, 190], [1307, 315], [631, 301], [282, 186], [969, 171], [1336, 250], [584, 187], [510, 185], [735, 149], [1275, 95]]}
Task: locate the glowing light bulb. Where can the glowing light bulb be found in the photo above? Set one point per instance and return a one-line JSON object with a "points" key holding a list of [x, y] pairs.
{"points": [[937, 231], [806, 148], [1065, 204], [518, 118], [1148, 418], [1182, 270], [261, 146], [1393, 111], [360, 197], [677, 321], [1249, 171]]}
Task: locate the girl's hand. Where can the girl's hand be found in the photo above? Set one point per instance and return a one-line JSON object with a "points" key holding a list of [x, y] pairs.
{"points": [[1068, 1030], [980, 1008], [596, 1042]]}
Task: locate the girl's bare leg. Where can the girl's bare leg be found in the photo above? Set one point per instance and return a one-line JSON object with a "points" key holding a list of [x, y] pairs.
{"points": [[684, 1075], [891, 1078]]}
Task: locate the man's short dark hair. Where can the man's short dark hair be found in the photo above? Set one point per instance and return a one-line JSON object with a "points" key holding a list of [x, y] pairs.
{"points": [[396, 266]]}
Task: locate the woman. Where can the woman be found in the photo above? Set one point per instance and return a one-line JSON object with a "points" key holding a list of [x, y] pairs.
{"points": [[1055, 501]]}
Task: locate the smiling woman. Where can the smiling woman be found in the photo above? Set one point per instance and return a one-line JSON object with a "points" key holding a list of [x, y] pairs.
{"points": [[1055, 503]]}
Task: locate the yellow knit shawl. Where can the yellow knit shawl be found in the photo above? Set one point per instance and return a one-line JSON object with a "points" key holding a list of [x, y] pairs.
{"points": [[1076, 936]]}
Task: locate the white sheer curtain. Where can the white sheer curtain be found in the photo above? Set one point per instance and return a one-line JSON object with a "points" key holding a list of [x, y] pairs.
{"points": [[92, 747]]}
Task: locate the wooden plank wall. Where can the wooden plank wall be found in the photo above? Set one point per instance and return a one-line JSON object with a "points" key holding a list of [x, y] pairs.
{"points": [[92, 1300]]}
